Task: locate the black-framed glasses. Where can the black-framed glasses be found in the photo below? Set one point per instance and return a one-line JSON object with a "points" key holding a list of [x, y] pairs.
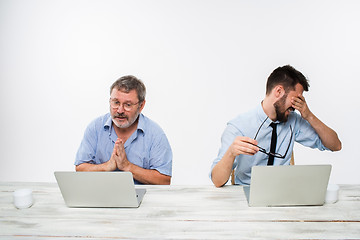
{"points": [[263, 150]]}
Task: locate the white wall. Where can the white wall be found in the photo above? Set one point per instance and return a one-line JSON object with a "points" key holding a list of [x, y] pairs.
{"points": [[203, 62]]}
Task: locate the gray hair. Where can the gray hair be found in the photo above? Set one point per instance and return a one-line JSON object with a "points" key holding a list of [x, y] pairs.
{"points": [[128, 83]]}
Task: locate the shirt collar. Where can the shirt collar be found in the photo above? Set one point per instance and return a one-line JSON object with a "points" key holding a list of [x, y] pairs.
{"points": [[108, 123], [141, 124]]}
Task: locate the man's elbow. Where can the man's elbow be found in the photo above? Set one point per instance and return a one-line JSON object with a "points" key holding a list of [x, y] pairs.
{"points": [[167, 181], [79, 168], [338, 147], [217, 183]]}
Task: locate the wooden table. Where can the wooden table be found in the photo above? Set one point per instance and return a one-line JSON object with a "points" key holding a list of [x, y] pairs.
{"points": [[177, 212]]}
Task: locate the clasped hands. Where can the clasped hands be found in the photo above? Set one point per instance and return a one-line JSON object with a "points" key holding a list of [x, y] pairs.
{"points": [[118, 159]]}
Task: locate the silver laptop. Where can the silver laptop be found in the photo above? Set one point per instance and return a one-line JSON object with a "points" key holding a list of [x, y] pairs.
{"points": [[99, 189], [295, 185]]}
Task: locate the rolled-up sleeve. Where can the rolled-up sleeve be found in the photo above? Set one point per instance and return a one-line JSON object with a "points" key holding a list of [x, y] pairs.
{"points": [[306, 135], [86, 151], [161, 155]]}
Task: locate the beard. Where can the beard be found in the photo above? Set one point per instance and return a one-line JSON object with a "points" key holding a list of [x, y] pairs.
{"points": [[280, 109], [130, 121]]}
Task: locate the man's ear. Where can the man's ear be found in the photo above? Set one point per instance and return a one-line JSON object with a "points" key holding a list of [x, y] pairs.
{"points": [[279, 91], [142, 105]]}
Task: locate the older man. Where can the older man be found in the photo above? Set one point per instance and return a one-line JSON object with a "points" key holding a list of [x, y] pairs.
{"points": [[125, 139]]}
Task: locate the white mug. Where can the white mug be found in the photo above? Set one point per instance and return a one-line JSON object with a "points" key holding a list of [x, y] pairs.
{"points": [[23, 198]]}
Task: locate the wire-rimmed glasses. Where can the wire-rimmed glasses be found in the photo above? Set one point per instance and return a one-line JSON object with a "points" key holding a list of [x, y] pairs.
{"points": [[114, 103], [263, 150]]}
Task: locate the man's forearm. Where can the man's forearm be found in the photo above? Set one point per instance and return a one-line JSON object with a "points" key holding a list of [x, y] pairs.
{"points": [[222, 170], [327, 135], [89, 167], [149, 176]]}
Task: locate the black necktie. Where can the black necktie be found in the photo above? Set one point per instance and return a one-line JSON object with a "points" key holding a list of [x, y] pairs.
{"points": [[273, 143]]}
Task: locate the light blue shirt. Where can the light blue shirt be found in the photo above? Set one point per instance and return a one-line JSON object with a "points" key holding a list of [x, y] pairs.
{"points": [[148, 147], [247, 124]]}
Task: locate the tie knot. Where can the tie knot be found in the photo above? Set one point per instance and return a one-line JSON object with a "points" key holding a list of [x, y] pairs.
{"points": [[273, 125]]}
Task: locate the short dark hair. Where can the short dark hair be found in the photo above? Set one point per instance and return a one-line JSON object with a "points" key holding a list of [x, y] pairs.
{"points": [[128, 83], [288, 77]]}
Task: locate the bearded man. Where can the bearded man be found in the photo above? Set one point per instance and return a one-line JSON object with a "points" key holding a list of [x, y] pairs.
{"points": [[266, 134], [125, 139]]}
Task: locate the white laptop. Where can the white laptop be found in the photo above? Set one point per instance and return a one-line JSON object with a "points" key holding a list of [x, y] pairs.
{"points": [[99, 189], [294, 185]]}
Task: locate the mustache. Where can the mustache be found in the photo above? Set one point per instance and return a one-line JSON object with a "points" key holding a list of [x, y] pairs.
{"points": [[120, 115]]}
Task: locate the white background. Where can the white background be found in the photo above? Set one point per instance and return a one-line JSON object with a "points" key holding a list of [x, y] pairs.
{"points": [[203, 63]]}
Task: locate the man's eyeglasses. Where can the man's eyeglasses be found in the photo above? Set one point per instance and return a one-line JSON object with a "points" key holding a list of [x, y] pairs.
{"points": [[126, 106], [278, 155]]}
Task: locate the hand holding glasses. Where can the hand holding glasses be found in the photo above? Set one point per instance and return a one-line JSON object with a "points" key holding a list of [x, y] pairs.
{"points": [[277, 155]]}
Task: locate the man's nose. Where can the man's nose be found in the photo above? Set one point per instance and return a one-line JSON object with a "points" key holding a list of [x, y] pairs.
{"points": [[120, 109]]}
